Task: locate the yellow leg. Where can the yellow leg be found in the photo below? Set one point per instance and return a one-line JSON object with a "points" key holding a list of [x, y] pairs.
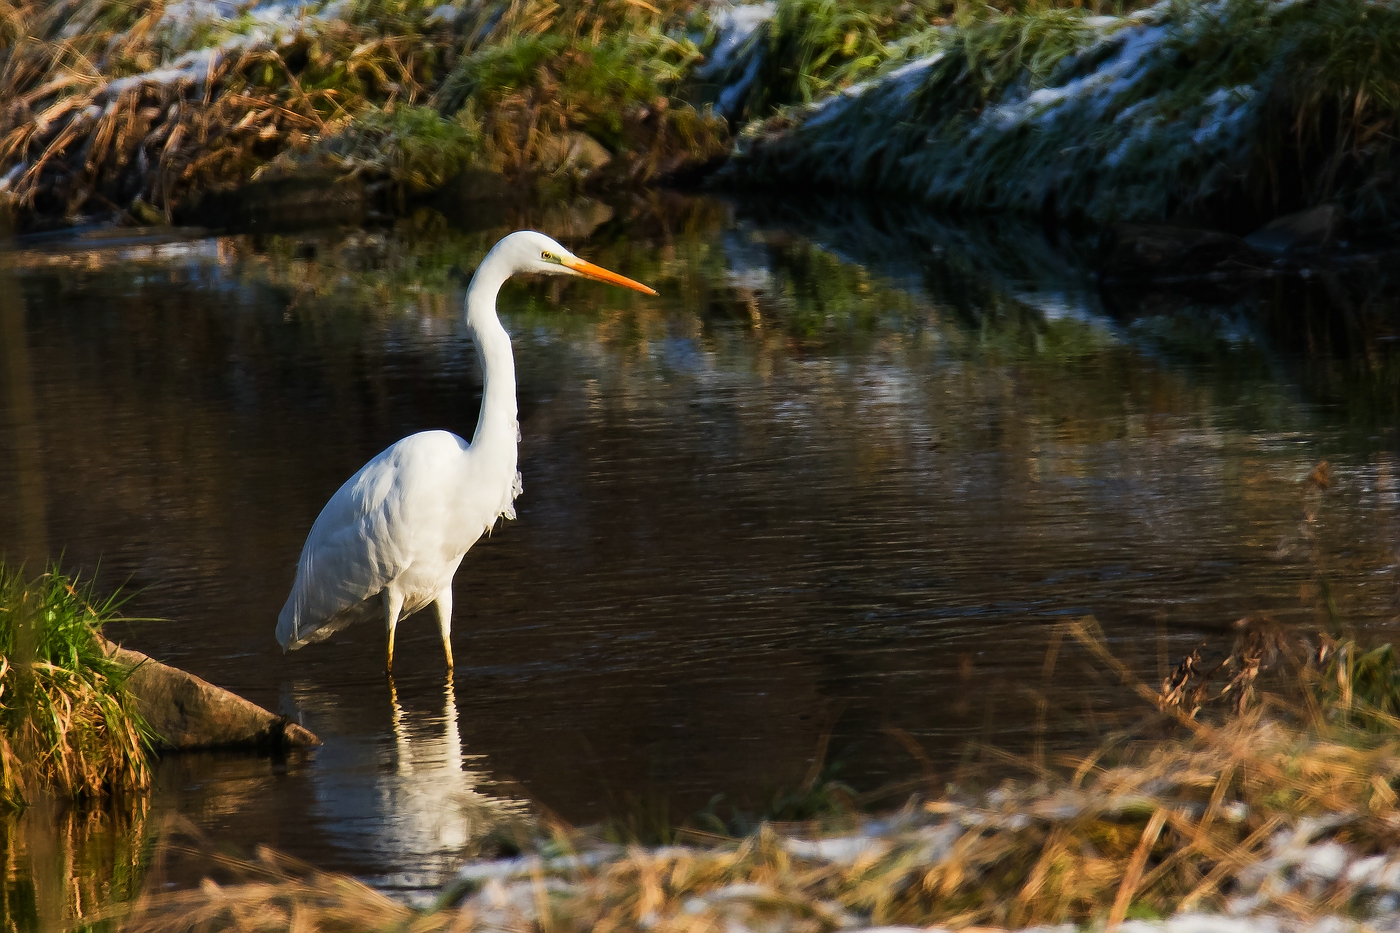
{"points": [[393, 605], [443, 604]]}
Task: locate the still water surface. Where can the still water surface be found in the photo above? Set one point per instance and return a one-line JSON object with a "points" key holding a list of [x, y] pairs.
{"points": [[827, 497]]}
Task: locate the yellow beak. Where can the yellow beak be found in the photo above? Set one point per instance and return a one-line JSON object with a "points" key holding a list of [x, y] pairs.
{"points": [[588, 270]]}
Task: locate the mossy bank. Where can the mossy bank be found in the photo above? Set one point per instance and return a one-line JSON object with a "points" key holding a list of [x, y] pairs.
{"points": [[1225, 113]]}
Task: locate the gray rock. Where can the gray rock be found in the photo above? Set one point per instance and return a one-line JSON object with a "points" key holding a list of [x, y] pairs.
{"points": [[1310, 229]]}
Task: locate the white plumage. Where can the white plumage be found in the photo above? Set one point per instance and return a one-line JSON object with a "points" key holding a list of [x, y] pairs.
{"points": [[391, 538]]}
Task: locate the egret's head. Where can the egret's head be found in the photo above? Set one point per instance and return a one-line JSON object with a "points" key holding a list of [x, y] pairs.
{"points": [[534, 252]]}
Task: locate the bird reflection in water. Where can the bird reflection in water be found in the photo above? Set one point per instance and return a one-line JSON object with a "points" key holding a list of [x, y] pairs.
{"points": [[431, 766], [412, 810], [451, 757]]}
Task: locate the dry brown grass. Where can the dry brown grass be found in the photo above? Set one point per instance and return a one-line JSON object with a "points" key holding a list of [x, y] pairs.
{"points": [[1147, 826], [79, 138], [99, 116], [272, 894]]}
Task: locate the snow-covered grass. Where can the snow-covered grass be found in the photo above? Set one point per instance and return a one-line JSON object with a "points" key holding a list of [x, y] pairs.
{"points": [[1226, 111]]}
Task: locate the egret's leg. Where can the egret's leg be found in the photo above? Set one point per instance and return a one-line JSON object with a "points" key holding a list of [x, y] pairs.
{"points": [[393, 605], [443, 604]]}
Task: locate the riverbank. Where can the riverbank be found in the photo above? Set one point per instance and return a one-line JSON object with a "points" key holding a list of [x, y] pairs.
{"points": [[130, 112], [1258, 813], [1228, 115], [1224, 114]]}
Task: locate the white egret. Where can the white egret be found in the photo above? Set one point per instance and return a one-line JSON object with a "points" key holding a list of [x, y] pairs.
{"points": [[389, 541]]}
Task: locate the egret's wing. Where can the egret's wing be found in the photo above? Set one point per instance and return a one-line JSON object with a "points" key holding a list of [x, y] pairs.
{"points": [[364, 538], [349, 557]]}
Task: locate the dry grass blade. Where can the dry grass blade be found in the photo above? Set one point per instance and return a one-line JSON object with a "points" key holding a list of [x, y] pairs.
{"points": [[1132, 877]]}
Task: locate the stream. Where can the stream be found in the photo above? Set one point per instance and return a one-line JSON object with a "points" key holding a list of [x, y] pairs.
{"points": [[818, 513]]}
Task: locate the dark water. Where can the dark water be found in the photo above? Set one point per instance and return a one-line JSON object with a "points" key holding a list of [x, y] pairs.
{"points": [[826, 499]]}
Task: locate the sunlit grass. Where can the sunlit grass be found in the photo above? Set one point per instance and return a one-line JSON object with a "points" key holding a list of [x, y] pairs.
{"points": [[403, 91], [67, 723]]}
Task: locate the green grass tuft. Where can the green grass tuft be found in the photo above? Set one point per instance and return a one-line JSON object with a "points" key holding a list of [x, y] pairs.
{"points": [[814, 47], [1361, 686], [417, 146], [67, 722]]}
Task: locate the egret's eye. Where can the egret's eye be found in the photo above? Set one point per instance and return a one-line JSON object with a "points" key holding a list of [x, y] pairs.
{"points": [[546, 257]]}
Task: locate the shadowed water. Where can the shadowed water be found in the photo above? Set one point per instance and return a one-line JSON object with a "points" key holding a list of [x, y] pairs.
{"points": [[821, 503]]}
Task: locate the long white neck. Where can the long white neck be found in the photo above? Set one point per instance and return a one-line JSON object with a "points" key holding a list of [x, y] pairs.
{"points": [[497, 430]]}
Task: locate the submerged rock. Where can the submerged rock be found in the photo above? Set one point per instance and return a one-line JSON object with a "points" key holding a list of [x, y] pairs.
{"points": [[1310, 229], [1148, 251], [190, 713]]}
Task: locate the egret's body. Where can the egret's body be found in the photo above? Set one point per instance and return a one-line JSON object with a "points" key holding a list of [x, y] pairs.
{"points": [[391, 538]]}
